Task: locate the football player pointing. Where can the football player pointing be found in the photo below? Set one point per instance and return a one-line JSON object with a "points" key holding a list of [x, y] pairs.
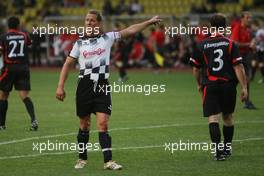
{"points": [[93, 55]]}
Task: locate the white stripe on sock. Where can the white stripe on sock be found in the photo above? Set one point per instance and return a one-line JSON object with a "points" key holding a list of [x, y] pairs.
{"points": [[106, 149]]}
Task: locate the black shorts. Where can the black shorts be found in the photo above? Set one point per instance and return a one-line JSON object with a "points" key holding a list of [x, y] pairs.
{"points": [[260, 56], [19, 78], [247, 58], [219, 98], [92, 97]]}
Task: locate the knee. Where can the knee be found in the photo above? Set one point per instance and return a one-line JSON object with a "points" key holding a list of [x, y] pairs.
{"points": [[214, 118], [102, 126], [85, 124], [4, 95], [228, 120], [23, 95]]}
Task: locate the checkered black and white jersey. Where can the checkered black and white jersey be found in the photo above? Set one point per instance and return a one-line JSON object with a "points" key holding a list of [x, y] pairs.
{"points": [[93, 55]]}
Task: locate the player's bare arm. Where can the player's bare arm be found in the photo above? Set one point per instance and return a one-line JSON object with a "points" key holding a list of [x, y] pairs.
{"points": [[133, 29], [241, 76], [197, 75], [60, 92]]}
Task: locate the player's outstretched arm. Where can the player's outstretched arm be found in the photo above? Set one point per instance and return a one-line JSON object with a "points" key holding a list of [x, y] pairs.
{"points": [[60, 93], [241, 76], [133, 29]]}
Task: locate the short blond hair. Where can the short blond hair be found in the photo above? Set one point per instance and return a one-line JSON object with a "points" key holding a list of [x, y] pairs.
{"points": [[99, 17]]}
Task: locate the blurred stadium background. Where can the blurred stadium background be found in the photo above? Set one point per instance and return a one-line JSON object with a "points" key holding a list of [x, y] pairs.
{"points": [[52, 49], [141, 124]]}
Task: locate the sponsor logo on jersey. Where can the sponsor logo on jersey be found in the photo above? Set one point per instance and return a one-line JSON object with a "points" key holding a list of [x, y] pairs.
{"points": [[97, 52]]}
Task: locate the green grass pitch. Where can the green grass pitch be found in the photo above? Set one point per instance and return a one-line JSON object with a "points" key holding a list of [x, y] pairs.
{"points": [[141, 126]]}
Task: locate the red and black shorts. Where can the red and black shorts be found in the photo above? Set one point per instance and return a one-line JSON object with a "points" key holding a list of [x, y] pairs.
{"points": [[219, 98], [92, 97], [20, 79]]}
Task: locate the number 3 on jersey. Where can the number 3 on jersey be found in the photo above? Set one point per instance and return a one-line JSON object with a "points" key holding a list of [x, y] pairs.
{"points": [[218, 60], [14, 44]]}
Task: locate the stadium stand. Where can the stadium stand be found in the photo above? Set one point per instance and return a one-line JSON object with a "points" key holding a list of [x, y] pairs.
{"points": [[41, 12]]}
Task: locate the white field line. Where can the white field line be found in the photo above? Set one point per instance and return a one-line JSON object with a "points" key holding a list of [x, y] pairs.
{"points": [[114, 129], [69, 152], [121, 148]]}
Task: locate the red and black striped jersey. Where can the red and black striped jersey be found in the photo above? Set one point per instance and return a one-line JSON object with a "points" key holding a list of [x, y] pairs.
{"points": [[14, 46], [216, 55]]}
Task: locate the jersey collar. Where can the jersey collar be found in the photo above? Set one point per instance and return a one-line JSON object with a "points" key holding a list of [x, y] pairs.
{"points": [[216, 35], [88, 37], [12, 30]]}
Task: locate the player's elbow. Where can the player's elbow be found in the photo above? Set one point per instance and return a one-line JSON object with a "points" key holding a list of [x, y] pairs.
{"points": [[239, 70], [238, 67], [196, 70], [68, 62], [128, 32]]}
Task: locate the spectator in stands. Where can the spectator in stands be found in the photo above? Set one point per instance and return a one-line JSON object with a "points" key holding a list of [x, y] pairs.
{"points": [[3, 9], [138, 51], [151, 48], [19, 5], [160, 39], [107, 8], [195, 9], [31, 3], [52, 11], [134, 7], [120, 53], [257, 45], [212, 8], [235, 20], [121, 8], [73, 3], [36, 49], [175, 52], [183, 53], [63, 44], [242, 34], [171, 51]]}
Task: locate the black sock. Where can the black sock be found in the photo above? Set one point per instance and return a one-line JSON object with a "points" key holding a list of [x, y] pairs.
{"points": [[106, 144], [262, 72], [3, 109], [215, 134], [253, 72], [228, 132], [122, 72], [82, 138], [30, 108]]}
